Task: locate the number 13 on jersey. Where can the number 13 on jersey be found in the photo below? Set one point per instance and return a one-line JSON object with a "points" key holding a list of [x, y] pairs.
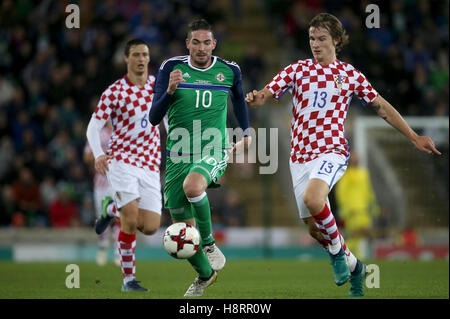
{"points": [[203, 97], [320, 99]]}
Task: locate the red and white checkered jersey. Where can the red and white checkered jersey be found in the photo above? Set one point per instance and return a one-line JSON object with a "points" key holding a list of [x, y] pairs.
{"points": [[100, 181], [321, 95], [134, 139]]}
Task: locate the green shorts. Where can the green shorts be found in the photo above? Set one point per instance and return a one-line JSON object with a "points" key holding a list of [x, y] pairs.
{"points": [[211, 167]]}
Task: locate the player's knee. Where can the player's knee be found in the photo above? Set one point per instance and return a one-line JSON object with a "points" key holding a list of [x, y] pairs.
{"points": [[130, 223], [314, 204], [148, 226], [129, 219], [149, 230], [192, 189]]}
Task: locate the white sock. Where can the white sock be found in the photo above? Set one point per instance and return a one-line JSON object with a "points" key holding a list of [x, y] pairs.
{"points": [[196, 199], [128, 278], [351, 259], [110, 210], [334, 249]]}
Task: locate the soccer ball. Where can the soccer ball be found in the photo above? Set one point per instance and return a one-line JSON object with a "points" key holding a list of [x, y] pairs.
{"points": [[181, 240]]}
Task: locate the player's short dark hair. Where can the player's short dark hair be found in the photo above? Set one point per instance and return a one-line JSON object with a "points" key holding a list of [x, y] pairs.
{"points": [[333, 25], [199, 24], [132, 42]]}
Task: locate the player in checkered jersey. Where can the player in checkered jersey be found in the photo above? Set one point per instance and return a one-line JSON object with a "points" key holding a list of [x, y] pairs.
{"points": [[132, 161], [321, 89]]}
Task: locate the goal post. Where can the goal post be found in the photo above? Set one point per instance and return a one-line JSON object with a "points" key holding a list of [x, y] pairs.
{"points": [[411, 184], [365, 123]]}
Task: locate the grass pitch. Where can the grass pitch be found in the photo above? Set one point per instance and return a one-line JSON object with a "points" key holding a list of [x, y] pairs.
{"points": [[249, 279]]}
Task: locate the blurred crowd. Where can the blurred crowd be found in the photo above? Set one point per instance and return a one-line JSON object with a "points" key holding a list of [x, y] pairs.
{"points": [[406, 59], [51, 78]]}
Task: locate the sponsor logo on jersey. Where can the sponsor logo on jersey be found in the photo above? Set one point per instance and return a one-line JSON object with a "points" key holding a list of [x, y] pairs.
{"points": [[186, 75], [339, 80], [220, 77], [202, 82]]}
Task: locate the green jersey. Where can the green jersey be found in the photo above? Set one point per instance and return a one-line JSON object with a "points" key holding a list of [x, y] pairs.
{"points": [[197, 111]]}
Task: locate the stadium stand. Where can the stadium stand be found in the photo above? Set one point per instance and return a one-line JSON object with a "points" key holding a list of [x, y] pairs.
{"points": [[51, 78]]}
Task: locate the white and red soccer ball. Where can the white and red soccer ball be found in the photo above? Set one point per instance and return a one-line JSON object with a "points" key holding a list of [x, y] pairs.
{"points": [[181, 240]]}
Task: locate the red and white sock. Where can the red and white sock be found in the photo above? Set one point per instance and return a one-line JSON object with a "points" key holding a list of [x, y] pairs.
{"points": [[326, 219], [351, 259], [326, 241], [127, 245], [111, 210]]}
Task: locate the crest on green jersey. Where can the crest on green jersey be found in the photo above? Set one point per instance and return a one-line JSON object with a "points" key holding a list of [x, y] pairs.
{"points": [[220, 77]]}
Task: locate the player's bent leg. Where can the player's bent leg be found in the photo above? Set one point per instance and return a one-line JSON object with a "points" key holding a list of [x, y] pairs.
{"points": [[194, 187], [315, 198], [148, 222]]}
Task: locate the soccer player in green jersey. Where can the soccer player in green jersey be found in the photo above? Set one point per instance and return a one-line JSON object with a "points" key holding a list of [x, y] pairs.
{"points": [[193, 91]]}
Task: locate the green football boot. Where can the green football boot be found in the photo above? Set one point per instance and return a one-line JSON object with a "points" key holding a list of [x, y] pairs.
{"points": [[357, 280], [340, 268], [103, 222]]}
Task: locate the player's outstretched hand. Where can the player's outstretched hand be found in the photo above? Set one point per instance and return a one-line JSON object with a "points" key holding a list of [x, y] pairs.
{"points": [[426, 144], [175, 77], [101, 164]]}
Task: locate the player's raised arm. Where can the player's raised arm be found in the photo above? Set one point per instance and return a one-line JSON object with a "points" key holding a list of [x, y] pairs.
{"points": [[386, 111], [165, 86], [258, 98], [175, 78]]}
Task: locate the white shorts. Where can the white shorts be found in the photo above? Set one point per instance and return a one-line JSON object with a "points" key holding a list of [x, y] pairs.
{"points": [[99, 194], [327, 167], [129, 182]]}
